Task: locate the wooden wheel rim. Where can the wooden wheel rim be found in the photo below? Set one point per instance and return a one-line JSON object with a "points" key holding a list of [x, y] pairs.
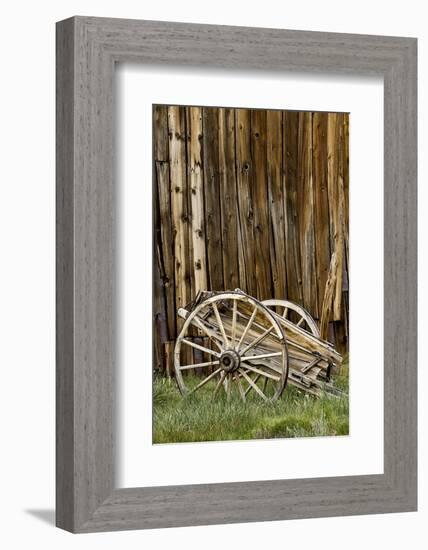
{"points": [[291, 306], [259, 308]]}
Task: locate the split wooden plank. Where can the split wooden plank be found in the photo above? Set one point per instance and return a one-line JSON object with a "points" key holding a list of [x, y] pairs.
{"points": [[179, 205], [292, 249], [197, 242], [345, 172], [305, 201], [228, 197], [328, 297], [261, 205], [212, 199], [321, 209], [244, 170], [335, 203], [341, 220], [276, 203]]}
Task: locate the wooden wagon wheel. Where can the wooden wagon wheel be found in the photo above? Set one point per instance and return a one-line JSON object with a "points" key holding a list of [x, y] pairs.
{"points": [[284, 307], [240, 342]]}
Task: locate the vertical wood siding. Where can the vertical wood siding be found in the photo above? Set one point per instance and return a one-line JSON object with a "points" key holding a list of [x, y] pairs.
{"points": [[255, 199]]}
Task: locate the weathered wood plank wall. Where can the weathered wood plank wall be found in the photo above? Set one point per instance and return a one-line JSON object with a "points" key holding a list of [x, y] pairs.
{"points": [[255, 199]]}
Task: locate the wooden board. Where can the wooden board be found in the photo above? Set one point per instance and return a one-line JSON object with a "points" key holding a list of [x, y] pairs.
{"points": [[197, 242], [179, 205], [228, 198], [163, 233], [290, 156], [321, 210], [305, 206], [212, 200], [276, 204], [261, 205], [244, 175]]}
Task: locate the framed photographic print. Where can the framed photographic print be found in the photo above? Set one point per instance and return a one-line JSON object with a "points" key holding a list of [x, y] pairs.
{"points": [[251, 245], [236, 274]]}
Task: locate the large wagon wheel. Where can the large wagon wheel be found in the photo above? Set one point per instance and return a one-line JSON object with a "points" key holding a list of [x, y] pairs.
{"points": [[240, 342], [284, 308]]}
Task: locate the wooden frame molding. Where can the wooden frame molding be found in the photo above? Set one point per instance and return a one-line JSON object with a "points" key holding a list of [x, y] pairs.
{"points": [[87, 50]]}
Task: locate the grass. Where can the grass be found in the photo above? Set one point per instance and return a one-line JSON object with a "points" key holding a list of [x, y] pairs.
{"points": [[200, 418]]}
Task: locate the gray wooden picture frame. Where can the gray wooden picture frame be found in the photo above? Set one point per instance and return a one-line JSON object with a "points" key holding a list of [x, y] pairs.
{"points": [[87, 50]]}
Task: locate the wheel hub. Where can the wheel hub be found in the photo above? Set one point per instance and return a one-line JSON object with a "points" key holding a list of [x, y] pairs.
{"points": [[230, 361]]}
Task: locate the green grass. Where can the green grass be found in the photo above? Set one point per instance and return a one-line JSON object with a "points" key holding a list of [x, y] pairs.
{"points": [[200, 418]]}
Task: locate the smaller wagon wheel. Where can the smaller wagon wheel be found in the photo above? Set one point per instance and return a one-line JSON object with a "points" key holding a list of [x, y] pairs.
{"points": [[240, 347], [284, 308]]}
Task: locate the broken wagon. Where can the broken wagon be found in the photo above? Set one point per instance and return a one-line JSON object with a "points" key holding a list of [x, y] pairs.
{"points": [[241, 344]]}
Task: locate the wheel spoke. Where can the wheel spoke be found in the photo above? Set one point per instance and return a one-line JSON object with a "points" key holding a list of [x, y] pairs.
{"points": [[220, 382], [210, 333], [258, 340], [240, 388], [220, 324], [201, 348], [207, 379], [198, 365], [247, 328], [263, 356], [263, 373], [300, 322], [251, 387], [284, 313], [255, 387], [235, 305], [229, 386], [265, 384]]}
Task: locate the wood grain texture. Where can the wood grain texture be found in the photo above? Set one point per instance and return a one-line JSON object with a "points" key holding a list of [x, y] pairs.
{"points": [[335, 201], [321, 211], [276, 203], [305, 209], [328, 298], [87, 499], [165, 239], [212, 200], [261, 205], [293, 263], [86, 252], [179, 203], [65, 289], [245, 208], [196, 186], [228, 198]]}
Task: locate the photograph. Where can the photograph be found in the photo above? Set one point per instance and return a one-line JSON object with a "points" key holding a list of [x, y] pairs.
{"points": [[250, 273]]}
